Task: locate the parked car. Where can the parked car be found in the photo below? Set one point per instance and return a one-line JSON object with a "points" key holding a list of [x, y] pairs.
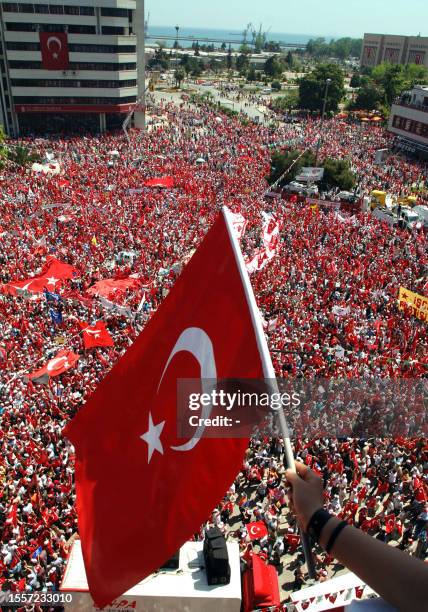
{"points": [[295, 187], [410, 219], [422, 212], [347, 196], [307, 190]]}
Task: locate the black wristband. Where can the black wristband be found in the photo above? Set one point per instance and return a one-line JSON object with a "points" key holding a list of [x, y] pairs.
{"points": [[337, 530], [317, 522]]}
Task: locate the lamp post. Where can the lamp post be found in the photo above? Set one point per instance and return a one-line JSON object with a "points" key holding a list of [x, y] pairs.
{"points": [[177, 28], [327, 85]]}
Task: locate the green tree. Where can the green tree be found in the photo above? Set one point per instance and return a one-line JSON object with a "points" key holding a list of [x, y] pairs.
{"points": [[289, 60], [391, 78], [242, 63], [179, 76], [286, 103], [3, 150], [197, 49], [312, 88], [337, 173], [276, 85], [159, 61], [369, 97], [273, 67], [223, 46], [22, 156], [355, 81], [229, 59], [280, 162], [252, 75]]}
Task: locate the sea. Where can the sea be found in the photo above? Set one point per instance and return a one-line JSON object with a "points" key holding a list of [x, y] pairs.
{"points": [[229, 35]]}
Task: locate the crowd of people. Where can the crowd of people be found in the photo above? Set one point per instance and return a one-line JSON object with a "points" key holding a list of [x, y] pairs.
{"points": [[100, 218]]}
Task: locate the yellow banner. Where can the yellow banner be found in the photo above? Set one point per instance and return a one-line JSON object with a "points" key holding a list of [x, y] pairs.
{"points": [[413, 303]]}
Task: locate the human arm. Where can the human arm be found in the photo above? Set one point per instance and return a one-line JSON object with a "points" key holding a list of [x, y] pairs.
{"points": [[398, 578]]}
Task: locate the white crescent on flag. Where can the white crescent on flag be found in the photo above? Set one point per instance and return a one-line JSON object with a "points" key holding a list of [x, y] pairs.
{"points": [[57, 363], [196, 342], [53, 39]]}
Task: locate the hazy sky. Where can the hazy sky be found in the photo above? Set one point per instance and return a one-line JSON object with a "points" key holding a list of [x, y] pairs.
{"points": [[323, 17]]}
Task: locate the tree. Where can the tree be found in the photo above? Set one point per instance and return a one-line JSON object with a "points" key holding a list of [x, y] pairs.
{"points": [[281, 161], [229, 59], [355, 81], [312, 88], [289, 60], [369, 97], [159, 61], [242, 63], [276, 85], [197, 49], [391, 78], [252, 75], [273, 67], [337, 173], [287, 102], [179, 76], [3, 150], [223, 46], [22, 156]]}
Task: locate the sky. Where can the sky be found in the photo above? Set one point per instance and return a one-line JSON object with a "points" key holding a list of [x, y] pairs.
{"points": [[320, 17]]}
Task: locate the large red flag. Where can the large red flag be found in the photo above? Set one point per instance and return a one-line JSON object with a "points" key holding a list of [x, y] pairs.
{"points": [[141, 491], [62, 362], [95, 335], [54, 48]]}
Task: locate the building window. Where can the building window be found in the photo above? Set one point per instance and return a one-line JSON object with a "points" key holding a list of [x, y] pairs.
{"points": [[70, 100], [87, 10], [74, 83], [113, 49], [56, 10], [101, 66], [76, 48], [113, 30], [114, 12], [25, 8], [41, 8], [71, 10], [10, 7]]}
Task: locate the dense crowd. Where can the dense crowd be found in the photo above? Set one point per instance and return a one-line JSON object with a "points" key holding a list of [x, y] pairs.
{"points": [[98, 216]]}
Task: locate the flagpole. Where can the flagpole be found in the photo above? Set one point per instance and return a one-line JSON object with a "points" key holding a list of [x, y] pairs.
{"points": [[268, 370]]}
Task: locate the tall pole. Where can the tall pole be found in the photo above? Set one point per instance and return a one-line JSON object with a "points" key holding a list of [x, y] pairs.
{"points": [[327, 85], [139, 30], [177, 29]]}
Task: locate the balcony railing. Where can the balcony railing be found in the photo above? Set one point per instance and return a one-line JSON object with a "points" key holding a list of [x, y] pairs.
{"points": [[416, 106]]}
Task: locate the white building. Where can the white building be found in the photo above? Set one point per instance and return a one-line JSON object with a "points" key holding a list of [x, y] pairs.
{"points": [[409, 120], [380, 48], [68, 61]]}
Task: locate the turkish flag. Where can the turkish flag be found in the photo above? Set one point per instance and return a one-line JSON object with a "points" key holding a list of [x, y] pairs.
{"points": [[54, 48], [257, 531], [95, 335], [62, 362], [167, 181], [141, 491], [51, 277]]}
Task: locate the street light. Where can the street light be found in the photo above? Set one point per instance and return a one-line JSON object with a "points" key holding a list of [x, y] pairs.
{"points": [[177, 28], [327, 85]]}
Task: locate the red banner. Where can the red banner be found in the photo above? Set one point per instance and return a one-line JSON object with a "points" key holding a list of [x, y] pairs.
{"points": [[54, 48]]}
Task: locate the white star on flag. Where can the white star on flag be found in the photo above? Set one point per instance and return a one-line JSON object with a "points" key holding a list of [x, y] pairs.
{"points": [[152, 437], [52, 280]]}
